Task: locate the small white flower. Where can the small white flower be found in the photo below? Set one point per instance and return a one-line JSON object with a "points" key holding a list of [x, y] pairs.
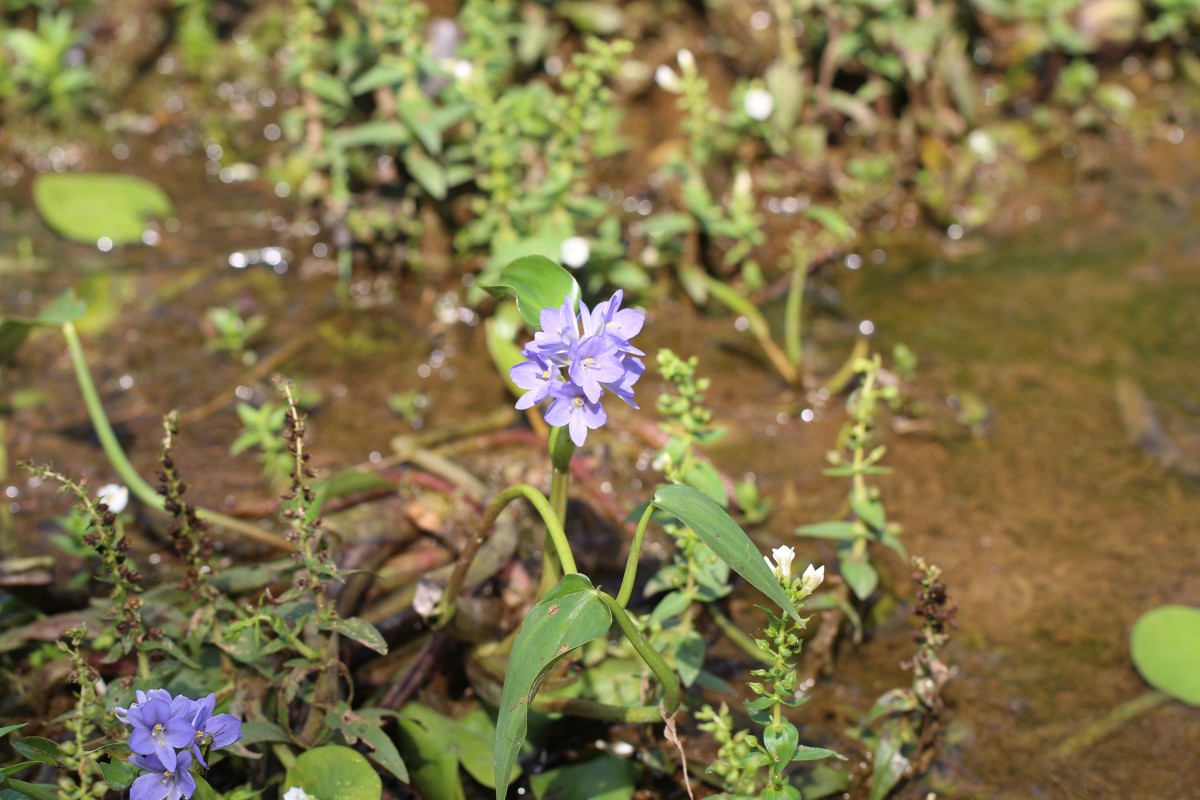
{"points": [[812, 577], [668, 79], [758, 104], [462, 69], [426, 599], [782, 566], [575, 252], [114, 496], [743, 184], [296, 793], [686, 59]]}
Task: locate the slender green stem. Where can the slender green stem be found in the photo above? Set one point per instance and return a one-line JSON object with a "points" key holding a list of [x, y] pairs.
{"points": [[739, 637], [631, 565], [793, 316], [553, 528], [1105, 726], [104, 432], [666, 676], [125, 469], [758, 327]]}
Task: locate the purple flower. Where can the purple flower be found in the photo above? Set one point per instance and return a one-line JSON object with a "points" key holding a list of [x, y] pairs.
{"points": [[162, 782], [575, 359], [572, 409], [213, 732], [622, 324], [160, 727], [594, 361], [536, 376]]}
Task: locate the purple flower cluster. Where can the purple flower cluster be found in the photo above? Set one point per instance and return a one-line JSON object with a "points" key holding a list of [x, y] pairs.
{"points": [[168, 734], [574, 360]]}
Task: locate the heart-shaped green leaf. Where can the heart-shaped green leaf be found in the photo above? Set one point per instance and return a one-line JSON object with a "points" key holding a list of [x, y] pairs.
{"points": [[1165, 645], [88, 206], [13, 330], [334, 772], [603, 778], [535, 282], [570, 615], [724, 537]]}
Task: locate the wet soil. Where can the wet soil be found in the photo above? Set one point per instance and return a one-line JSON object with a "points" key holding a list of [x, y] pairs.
{"points": [[1055, 532]]}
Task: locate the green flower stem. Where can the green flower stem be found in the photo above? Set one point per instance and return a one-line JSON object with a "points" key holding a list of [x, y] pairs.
{"points": [[739, 637], [666, 676], [553, 528], [635, 550], [758, 327], [120, 462], [794, 311]]}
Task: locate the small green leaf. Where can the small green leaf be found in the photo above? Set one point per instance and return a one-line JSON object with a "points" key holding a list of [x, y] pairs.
{"points": [[117, 774], [1165, 645], [860, 576], [327, 88], [731, 544], [806, 753], [379, 133], [870, 512], [88, 206], [36, 791], [781, 742], [334, 772], [536, 283], [603, 778], [704, 476], [427, 172], [571, 614], [7, 729], [254, 731], [831, 220], [40, 749], [204, 791], [672, 605]]}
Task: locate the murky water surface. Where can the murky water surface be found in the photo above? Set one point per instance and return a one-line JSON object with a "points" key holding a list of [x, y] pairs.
{"points": [[1054, 531]]}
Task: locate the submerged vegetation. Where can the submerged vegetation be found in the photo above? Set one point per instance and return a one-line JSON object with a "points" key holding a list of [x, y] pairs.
{"points": [[598, 620]]}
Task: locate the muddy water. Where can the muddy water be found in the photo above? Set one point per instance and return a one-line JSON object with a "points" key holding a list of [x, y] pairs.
{"points": [[1055, 533]]}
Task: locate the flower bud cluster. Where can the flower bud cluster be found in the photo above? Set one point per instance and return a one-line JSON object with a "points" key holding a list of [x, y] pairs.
{"points": [[782, 569], [170, 734], [575, 360]]}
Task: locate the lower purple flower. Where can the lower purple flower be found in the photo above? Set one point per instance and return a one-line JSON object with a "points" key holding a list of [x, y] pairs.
{"points": [[161, 783], [572, 409], [159, 728]]}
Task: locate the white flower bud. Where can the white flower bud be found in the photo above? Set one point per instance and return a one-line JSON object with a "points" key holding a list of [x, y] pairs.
{"points": [[114, 496], [575, 252], [426, 599], [743, 184], [812, 577], [668, 79], [758, 104], [686, 59], [462, 69], [782, 566]]}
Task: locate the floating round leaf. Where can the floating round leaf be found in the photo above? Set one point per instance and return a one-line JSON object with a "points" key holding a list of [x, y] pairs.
{"points": [[1165, 645], [334, 772], [90, 206]]}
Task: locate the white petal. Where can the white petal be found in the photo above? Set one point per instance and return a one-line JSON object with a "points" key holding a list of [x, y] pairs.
{"points": [[758, 104], [114, 496]]}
